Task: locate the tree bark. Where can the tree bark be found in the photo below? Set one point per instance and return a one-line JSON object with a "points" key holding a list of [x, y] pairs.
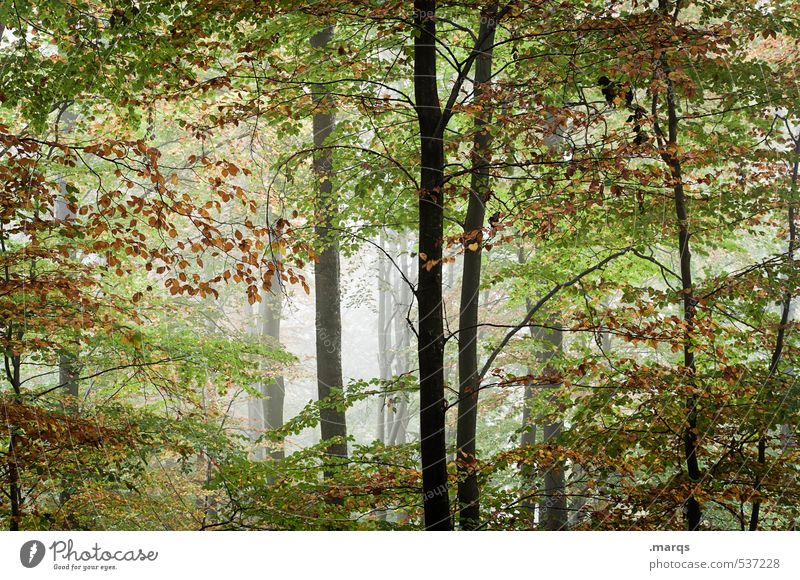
{"points": [[429, 290], [326, 273], [669, 146], [468, 388], [693, 509]]}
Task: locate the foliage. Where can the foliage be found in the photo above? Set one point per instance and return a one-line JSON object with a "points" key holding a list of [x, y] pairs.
{"points": [[156, 163]]}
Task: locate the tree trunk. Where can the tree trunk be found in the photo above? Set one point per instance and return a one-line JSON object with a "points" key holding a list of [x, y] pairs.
{"points": [[468, 388], [14, 489], [429, 289], [12, 365], [68, 369], [274, 391], [693, 509], [255, 408], [786, 309], [554, 506], [326, 273], [68, 366], [528, 437], [669, 147], [384, 337], [402, 341]]}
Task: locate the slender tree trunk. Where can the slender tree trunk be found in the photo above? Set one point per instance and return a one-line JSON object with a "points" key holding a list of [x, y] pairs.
{"points": [[690, 444], [468, 388], [206, 502], [528, 440], [14, 489], [554, 506], [553, 510], [326, 272], [275, 390], [669, 146], [380, 424], [429, 289], [12, 365], [402, 333], [384, 337], [68, 373], [528, 437], [68, 369], [786, 308], [580, 499], [255, 408], [400, 425]]}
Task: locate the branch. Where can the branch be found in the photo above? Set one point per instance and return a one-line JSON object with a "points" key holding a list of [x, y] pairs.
{"points": [[536, 307], [104, 371], [477, 50]]}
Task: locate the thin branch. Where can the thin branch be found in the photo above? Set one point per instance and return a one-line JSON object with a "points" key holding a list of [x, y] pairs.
{"points": [[542, 301]]}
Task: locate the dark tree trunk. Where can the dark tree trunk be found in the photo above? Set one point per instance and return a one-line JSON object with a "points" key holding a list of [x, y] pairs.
{"points": [[12, 365], [690, 445], [14, 489], [669, 145], [429, 290], [468, 388]]}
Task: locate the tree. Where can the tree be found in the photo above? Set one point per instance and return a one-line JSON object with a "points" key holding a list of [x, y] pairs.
{"points": [[645, 154], [333, 426], [479, 193], [786, 307]]}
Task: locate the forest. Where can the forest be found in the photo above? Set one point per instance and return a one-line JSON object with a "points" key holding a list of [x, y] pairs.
{"points": [[386, 265]]}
